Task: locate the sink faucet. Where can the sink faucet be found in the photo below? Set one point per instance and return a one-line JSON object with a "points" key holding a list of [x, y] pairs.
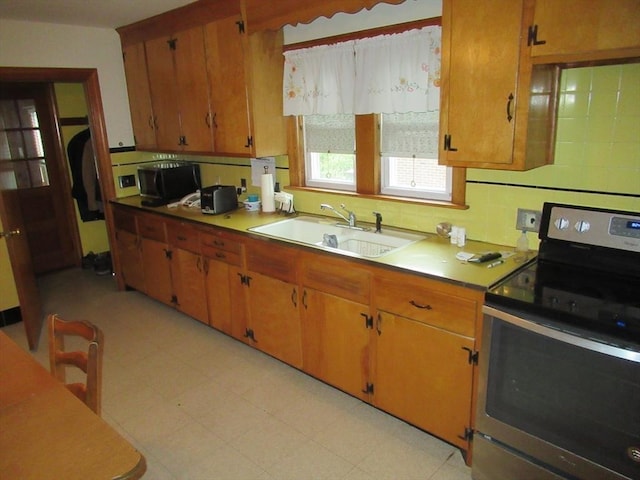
{"points": [[351, 220], [378, 222]]}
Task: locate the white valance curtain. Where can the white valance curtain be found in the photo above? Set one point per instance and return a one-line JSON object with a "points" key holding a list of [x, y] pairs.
{"points": [[319, 80], [395, 73]]}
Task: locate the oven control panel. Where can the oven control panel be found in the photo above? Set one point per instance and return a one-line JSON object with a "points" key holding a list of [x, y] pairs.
{"points": [[595, 227]]}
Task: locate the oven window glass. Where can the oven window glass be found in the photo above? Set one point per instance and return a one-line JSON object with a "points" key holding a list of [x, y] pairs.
{"points": [[583, 401]]}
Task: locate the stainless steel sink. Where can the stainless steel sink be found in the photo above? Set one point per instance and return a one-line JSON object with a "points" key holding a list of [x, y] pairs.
{"points": [[324, 233]]}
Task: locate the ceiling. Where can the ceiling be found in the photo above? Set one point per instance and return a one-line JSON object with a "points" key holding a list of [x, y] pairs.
{"points": [[91, 13]]}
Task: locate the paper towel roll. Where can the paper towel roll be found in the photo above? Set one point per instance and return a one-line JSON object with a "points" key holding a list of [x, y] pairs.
{"points": [[268, 196]]}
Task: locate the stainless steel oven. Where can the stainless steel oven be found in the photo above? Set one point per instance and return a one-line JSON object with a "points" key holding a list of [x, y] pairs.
{"points": [[559, 385]]}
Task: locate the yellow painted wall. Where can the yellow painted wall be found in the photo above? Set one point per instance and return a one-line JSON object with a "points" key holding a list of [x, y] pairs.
{"points": [[597, 156], [597, 150], [214, 170], [71, 103], [8, 293]]}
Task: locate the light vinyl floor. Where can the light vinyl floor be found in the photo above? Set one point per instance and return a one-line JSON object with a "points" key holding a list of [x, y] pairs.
{"points": [[201, 405]]}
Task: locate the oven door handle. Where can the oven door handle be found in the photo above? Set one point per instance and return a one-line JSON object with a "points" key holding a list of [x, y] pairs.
{"points": [[566, 337]]}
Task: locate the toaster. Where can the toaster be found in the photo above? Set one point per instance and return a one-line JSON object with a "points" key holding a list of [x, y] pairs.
{"points": [[218, 199]]}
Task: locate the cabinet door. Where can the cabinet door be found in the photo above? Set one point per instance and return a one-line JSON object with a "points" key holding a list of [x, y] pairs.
{"points": [[239, 294], [157, 270], [423, 375], [164, 92], [218, 290], [135, 68], [481, 53], [335, 341], [225, 47], [589, 28], [187, 277], [274, 318], [132, 269], [193, 91]]}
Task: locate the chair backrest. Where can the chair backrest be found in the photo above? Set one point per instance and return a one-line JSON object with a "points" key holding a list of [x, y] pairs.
{"points": [[88, 361]]}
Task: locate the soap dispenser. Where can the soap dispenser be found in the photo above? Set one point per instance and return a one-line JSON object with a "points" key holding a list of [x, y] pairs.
{"points": [[523, 243]]}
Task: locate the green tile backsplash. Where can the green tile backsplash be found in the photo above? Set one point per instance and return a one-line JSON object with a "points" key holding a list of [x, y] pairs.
{"points": [[597, 156]]}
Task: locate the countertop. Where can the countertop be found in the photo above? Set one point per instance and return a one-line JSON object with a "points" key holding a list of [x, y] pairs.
{"points": [[433, 257]]}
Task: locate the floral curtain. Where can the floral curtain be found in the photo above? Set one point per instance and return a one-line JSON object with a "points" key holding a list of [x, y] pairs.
{"points": [[396, 73], [399, 73], [319, 80]]}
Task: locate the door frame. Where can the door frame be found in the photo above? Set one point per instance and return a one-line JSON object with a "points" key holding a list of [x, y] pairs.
{"points": [[89, 78]]}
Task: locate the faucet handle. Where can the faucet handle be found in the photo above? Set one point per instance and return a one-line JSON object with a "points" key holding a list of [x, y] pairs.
{"points": [[378, 221]]}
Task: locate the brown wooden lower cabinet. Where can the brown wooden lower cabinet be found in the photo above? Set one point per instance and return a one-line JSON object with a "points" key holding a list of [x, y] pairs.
{"points": [[335, 339], [157, 270], [403, 343], [274, 319], [188, 282], [129, 248], [422, 374]]}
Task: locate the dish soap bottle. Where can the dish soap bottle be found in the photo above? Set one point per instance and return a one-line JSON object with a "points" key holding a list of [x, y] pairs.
{"points": [[523, 243]]}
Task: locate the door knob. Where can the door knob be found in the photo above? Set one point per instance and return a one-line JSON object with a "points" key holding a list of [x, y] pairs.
{"points": [[10, 233]]}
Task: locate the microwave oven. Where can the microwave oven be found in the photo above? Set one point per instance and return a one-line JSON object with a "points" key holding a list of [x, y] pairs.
{"points": [[166, 182]]}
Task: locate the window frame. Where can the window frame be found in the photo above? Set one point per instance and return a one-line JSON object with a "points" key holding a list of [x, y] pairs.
{"points": [[368, 159]]}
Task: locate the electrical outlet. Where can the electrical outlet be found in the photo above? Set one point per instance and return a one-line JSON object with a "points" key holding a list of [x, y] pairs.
{"points": [[528, 220], [127, 181], [243, 185]]}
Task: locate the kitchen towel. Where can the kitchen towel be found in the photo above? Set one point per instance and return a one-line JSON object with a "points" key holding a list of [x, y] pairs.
{"points": [[268, 196]]}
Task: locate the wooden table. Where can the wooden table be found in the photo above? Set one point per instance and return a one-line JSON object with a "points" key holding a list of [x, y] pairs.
{"points": [[47, 433]]}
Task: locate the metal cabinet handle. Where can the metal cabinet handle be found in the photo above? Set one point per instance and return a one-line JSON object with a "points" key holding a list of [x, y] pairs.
{"points": [[509, 103], [418, 305]]}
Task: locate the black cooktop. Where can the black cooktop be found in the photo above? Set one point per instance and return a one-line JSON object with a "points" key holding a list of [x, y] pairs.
{"points": [[573, 297]]}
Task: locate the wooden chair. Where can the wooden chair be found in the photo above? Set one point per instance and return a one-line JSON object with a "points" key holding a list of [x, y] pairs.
{"points": [[89, 361]]}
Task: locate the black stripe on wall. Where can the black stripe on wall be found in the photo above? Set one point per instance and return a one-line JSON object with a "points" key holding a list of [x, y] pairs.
{"points": [[557, 189]]}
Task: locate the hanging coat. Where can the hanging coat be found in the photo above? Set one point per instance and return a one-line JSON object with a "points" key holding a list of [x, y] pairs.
{"points": [[86, 188]]}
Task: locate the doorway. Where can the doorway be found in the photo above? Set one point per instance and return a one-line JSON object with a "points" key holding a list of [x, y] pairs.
{"points": [[33, 164], [17, 245]]}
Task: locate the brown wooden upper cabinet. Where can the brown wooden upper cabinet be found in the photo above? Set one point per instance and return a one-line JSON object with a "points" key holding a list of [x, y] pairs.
{"points": [[589, 29], [210, 88], [245, 84], [499, 82], [179, 91], [142, 118], [486, 86]]}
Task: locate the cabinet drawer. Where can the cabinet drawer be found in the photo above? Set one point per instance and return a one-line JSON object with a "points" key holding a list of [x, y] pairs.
{"points": [[272, 260], [183, 236], [213, 241], [421, 303], [124, 220], [152, 227], [336, 277], [222, 256]]}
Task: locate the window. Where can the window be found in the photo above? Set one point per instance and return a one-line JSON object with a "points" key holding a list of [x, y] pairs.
{"points": [[409, 157], [335, 95], [22, 162], [330, 158]]}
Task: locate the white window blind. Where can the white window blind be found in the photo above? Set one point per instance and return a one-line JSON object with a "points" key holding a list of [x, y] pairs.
{"points": [[330, 133], [409, 134]]}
